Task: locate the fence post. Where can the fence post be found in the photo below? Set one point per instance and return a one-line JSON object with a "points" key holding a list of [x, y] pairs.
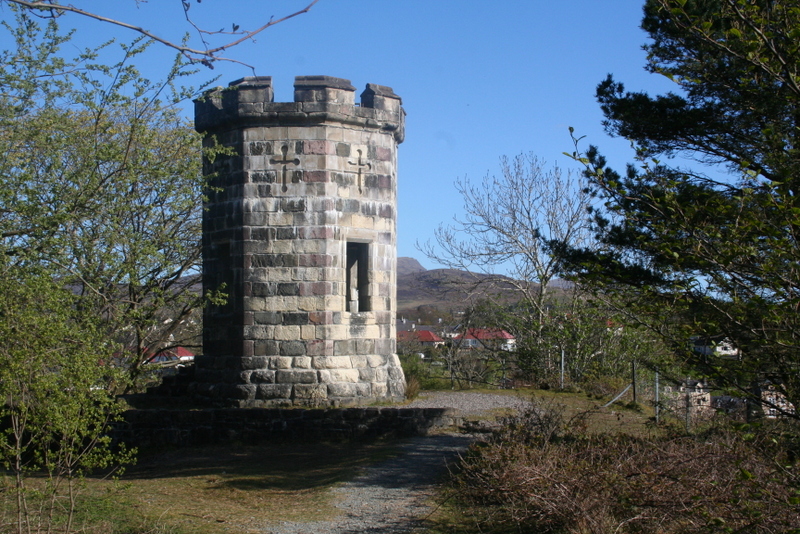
{"points": [[658, 400]]}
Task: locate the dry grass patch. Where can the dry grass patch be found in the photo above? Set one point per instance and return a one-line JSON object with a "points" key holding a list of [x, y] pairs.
{"points": [[223, 489], [578, 408], [545, 472]]}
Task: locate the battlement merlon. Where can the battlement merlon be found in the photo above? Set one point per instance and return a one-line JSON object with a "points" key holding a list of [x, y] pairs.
{"points": [[318, 100]]}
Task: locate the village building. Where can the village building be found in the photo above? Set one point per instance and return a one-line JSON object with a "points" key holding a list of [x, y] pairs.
{"points": [[486, 338], [422, 338]]}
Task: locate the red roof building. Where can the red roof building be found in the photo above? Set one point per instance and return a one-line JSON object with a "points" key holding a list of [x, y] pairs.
{"points": [[174, 354], [486, 338], [423, 337]]}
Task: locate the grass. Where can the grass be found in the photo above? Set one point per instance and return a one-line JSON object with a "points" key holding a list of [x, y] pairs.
{"points": [[221, 489], [621, 417], [241, 489]]}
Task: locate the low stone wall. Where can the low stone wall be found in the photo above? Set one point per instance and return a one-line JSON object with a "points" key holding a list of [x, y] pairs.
{"points": [[214, 426]]}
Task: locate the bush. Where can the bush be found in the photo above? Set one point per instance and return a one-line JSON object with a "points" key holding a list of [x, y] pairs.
{"points": [[545, 481], [412, 387], [56, 405], [603, 387], [427, 376]]}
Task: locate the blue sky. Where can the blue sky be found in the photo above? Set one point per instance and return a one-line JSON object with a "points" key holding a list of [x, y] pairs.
{"points": [[478, 79]]}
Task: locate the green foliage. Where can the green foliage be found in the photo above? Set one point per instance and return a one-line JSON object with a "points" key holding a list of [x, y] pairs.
{"points": [[56, 383], [697, 255], [100, 207], [593, 338], [101, 183], [424, 374]]}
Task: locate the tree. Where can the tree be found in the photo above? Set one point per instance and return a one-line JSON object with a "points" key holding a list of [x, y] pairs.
{"points": [[509, 222], [100, 183], [700, 254], [100, 199], [57, 396], [512, 222], [204, 52]]}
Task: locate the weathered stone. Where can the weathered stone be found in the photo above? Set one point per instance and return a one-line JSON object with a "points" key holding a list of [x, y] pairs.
{"points": [[358, 362], [300, 228], [274, 391], [344, 375], [293, 348], [254, 362], [342, 390], [266, 348], [311, 391], [380, 389], [366, 375], [262, 376], [280, 362], [244, 391], [296, 377], [364, 389], [376, 360], [342, 149], [302, 362], [397, 388], [331, 362], [396, 373], [268, 317]]}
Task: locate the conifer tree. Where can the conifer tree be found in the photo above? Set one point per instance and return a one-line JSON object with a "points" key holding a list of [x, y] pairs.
{"points": [[713, 252]]}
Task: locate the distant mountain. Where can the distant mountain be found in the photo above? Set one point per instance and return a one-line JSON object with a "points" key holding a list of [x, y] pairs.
{"points": [[408, 266], [450, 290], [445, 289]]}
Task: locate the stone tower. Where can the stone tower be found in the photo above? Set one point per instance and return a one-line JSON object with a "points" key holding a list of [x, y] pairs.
{"points": [[300, 230]]}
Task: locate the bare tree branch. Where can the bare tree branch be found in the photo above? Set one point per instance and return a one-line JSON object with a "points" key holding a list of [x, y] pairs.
{"points": [[509, 222], [206, 56]]}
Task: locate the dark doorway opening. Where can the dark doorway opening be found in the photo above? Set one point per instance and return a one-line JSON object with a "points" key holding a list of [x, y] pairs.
{"points": [[357, 278]]}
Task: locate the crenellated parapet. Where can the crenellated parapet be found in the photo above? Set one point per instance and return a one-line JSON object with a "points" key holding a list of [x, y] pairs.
{"points": [[317, 100]]}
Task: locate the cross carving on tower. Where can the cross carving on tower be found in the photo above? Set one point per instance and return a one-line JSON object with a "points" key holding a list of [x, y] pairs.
{"points": [[360, 165], [284, 161]]}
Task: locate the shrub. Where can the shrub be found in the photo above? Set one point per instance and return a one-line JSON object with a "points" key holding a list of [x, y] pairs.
{"points": [[601, 386], [545, 481], [56, 405], [427, 376], [412, 387]]}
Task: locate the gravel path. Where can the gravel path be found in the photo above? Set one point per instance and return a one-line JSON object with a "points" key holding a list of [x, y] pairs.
{"points": [[475, 404], [394, 496]]}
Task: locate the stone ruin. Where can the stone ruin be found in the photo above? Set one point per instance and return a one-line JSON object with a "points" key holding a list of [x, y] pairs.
{"points": [[299, 230]]}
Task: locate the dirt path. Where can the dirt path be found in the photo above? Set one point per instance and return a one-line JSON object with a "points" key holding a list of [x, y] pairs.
{"points": [[394, 496], [390, 497]]}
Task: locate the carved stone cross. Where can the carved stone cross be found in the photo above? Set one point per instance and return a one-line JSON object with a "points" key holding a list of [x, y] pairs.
{"points": [[360, 165], [284, 161]]}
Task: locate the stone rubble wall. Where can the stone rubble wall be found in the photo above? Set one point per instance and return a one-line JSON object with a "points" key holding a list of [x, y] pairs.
{"points": [[147, 429]]}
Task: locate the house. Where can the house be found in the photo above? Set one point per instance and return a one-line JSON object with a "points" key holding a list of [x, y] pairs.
{"points": [[773, 401], [175, 354], [715, 346], [690, 399], [486, 338], [425, 338]]}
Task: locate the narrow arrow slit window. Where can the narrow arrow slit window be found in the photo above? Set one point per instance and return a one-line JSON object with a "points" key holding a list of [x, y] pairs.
{"points": [[357, 277]]}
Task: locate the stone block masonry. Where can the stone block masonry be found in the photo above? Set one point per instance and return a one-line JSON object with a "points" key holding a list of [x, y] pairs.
{"points": [[299, 231], [191, 428]]}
